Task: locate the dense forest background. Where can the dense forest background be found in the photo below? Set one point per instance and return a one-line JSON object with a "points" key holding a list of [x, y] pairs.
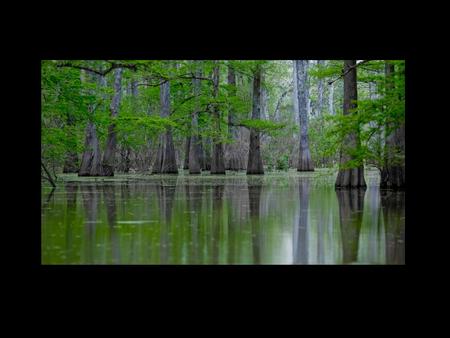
{"points": [[101, 117]]}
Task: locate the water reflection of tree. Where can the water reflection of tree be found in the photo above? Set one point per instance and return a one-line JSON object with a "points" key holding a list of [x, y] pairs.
{"points": [[238, 203], [301, 230], [109, 197], [254, 196], [351, 206], [90, 204], [393, 204], [48, 199], [194, 197], [165, 194], [71, 211], [217, 220]]}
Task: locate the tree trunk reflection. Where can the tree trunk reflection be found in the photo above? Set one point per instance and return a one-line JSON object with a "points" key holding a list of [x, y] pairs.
{"points": [[351, 206], [393, 204], [254, 196], [301, 231]]}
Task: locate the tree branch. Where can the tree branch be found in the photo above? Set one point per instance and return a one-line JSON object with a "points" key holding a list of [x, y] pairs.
{"points": [[347, 71], [49, 177], [99, 72]]}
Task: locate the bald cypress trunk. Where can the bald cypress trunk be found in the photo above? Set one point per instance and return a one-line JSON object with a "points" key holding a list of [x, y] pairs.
{"points": [[350, 177], [233, 161], [206, 154], [393, 172], [187, 148], [301, 77], [218, 159], [195, 149], [331, 99], [320, 63], [91, 158], [295, 92], [108, 162], [255, 165], [165, 161], [71, 162]]}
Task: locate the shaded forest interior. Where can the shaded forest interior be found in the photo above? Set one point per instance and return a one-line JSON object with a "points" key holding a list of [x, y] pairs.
{"points": [[101, 117]]}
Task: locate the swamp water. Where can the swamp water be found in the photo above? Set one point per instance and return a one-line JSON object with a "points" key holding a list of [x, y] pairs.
{"points": [[293, 218]]}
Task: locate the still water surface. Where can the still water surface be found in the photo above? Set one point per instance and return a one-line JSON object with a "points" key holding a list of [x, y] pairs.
{"points": [[234, 220]]}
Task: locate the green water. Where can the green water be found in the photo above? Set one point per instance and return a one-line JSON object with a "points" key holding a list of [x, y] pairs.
{"points": [[276, 219]]}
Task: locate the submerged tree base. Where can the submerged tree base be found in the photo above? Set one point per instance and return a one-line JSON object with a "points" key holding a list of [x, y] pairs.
{"points": [[351, 178]]}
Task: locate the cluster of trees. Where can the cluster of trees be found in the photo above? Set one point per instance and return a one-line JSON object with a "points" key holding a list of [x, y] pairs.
{"points": [[160, 116]]}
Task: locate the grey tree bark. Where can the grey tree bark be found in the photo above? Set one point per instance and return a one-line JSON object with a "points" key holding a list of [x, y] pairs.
{"points": [[331, 99], [195, 149], [217, 160], [320, 63], [206, 153], [255, 164], [91, 158], [295, 92], [308, 89], [301, 78], [71, 163], [187, 149], [108, 162], [276, 114], [393, 173], [350, 177], [264, 99], [232, 154], [165, 161]]}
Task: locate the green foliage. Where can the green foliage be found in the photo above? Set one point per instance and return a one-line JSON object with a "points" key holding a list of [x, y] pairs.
{"points": [[71, 98], [283, 163], [262, 125]]}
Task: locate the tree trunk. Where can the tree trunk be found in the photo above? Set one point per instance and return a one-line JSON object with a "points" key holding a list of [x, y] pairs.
{"points": [[206, 154], [264, 99], [165, 161], [233, 162], [331, 99], [186, 152], [91, 158], [350, 177], [218, 160], [255, 165], [320, 63], [295, 92], [393, 173], [71, 163], [111, 141], [195, 148], [308, 88], [351, 206], [304, 161]]}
